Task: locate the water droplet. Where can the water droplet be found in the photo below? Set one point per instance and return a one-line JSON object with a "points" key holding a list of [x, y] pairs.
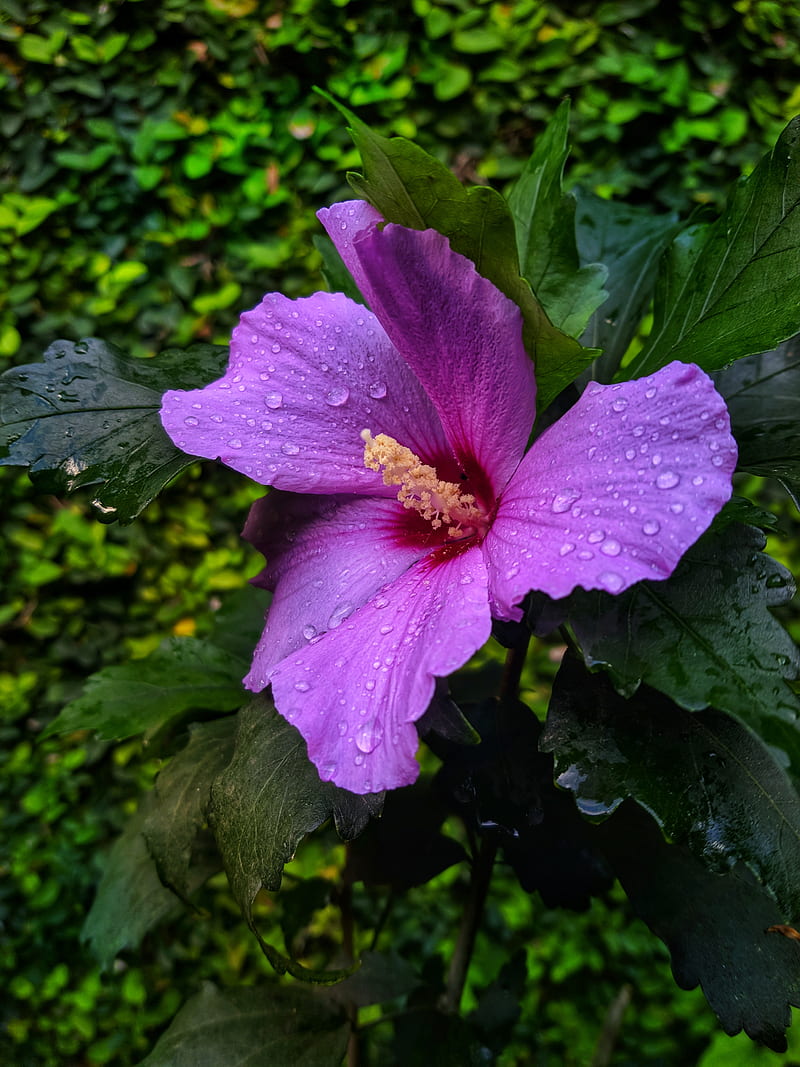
{"points": [[566, 548], [611, 547], [289, 449], [585, 554], [611, 581], [717, 461], [309, 632], [650, 527], [595, 536], [302, 687], [273, 400], [630, 453], [381, 602], [377, 390], [191, 420], [339, 614], [386, 629], [276, 348], [676, 508], [619, 404], [697, 480], [234, 443], [563, 501], [369, 736], [337, 396], [651, 392], [667, 480]]}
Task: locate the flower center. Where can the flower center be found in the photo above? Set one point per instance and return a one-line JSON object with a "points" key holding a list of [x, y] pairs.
{"points": [[421, 489]]}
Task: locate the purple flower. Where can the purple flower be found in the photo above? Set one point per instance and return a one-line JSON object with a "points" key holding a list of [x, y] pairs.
{"points": [[405, 512]]}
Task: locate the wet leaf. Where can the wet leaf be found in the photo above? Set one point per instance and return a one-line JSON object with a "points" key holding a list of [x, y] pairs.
{"points": [[705, 637], [88, 415], [411, 188], [763, 396], [180, 798], [730, 289], [716, 926], [544, 219], [709, 782], [260, 1024]]}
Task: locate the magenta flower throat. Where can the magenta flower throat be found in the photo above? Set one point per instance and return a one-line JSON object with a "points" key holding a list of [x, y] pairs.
{"points": [[405, 512]]}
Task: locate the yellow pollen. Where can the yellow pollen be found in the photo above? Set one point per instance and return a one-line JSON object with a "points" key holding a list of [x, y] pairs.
{"points": [[421, 489]]}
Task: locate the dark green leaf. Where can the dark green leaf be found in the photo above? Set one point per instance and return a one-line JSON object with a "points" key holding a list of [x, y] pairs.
{"points": [[257, 1025], [180, 798], [709, 782], [130, 899], [413, 189], [732, 290], [763, 397], [629, 241], [544, 218], [426, 1036], [269, 797], [336, 273], [705, 636], [183, 674], [88, 415], [382, 976], [717, 927]]}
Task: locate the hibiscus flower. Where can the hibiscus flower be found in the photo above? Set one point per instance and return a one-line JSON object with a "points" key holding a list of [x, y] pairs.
{"points": [[406, 512]]}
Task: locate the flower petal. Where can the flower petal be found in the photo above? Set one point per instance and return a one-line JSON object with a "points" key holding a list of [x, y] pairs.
{"points": [[356, 693], [326, 556], [615, 491], [460, 335], [305, 377]]}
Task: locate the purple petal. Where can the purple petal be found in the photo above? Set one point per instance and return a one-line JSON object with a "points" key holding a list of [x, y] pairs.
{"points": [[326, 556], [614, 492], [460, 335], [355, 694], [305, 377]]}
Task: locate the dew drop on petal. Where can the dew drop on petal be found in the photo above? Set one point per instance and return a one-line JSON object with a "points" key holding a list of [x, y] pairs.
{"points": [[676, 508], [563, 501], [697, 480], [339, 614], [273, 400], [386, 629], [234, 443], [650, 527], [619, 404], [611, 547], [368, 736], [337, 396], [289, 449], [191, 420], [276, 348], [377, 390], [566, 548], [611, 581], [309, 632], [595, 536], [302, 687], [667, 480]]}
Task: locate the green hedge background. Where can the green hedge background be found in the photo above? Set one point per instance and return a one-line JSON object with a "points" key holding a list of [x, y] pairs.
{"points": [[159, 171]]}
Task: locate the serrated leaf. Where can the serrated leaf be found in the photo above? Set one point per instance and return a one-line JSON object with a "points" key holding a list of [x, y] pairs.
{"points": [[717, 927], [261, 1024], [268, 798], [709, 783], [736, 292], [544, 219], [130, 898], [629, 241], [88, 415], [411, 188], [705, 636], [183, 674], [763, 398], [180, 798]]}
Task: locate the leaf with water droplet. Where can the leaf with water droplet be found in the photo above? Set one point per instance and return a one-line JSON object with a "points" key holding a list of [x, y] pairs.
{"points": [[705, 636], [709, 782], [89, 415]]}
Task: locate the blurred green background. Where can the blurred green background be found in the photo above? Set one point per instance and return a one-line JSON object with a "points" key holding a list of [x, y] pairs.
{"points": [[159, 171]]}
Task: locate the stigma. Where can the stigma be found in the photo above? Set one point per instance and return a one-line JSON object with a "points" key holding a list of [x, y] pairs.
{"points": [[420, 488]]}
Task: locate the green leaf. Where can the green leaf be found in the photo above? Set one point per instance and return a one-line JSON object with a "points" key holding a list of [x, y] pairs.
{"points": [[183, 674], [88, 415], [544, 218], [266, 801], [180, 798], [269, 1023], [629, 241], [732, 290], [382, 976], [717, 927], [130, 899], [763, 398], [709, 783], [705, 636], [335, 272], [413, 189]]}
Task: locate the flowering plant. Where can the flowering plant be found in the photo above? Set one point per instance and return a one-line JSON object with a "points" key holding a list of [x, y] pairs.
{"points": [[475, 439]]}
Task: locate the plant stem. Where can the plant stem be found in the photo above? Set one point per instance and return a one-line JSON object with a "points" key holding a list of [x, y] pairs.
{"points": [[473, 912]]}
